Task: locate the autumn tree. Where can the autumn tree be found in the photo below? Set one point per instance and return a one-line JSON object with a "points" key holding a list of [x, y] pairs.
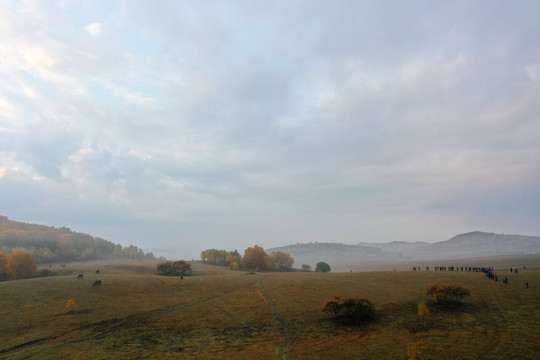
{"points": [[117, 250], [174, 268], [256, 258], [221, 257], [233, 259], [282, 261], [65, 246], [215, 256], [21, 264]]}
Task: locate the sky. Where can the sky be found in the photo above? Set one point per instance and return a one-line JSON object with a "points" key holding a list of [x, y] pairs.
{"points": [[179, 126]]}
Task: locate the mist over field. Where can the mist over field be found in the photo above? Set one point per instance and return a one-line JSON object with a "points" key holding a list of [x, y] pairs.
{"points": [[471, 248], [182, 126]]}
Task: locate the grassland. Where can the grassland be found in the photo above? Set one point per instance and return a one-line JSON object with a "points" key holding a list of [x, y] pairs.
{"points": [[222, 314]]}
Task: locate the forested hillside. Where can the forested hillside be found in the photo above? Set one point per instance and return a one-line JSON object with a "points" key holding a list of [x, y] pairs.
{"points": [[51, 244]]}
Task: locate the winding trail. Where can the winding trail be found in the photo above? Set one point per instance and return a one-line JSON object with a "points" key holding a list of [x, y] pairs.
{"points": [[278, 319]]}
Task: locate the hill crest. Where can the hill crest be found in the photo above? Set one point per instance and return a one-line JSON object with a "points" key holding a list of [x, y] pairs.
{"points": [[466, 245]]}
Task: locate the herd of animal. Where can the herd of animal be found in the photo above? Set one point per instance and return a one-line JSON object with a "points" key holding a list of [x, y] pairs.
{"points": [[96, 283]]}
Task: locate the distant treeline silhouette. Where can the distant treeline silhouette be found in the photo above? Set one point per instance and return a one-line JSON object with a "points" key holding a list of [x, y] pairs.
{"points": [[50, 244], [255, 258]]}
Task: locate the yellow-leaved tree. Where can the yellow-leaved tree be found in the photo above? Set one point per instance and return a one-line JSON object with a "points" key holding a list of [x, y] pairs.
{"points": [[21, 264], [255, 258], [174, 268], [283, 261]]}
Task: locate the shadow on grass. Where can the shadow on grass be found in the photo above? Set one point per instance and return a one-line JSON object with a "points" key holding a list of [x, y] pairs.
{"points": [[362, 324], [76, 312], [453, 307]]}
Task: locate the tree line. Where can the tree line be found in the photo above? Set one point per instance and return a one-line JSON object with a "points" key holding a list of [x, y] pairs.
{"points": [[51, 244], [255, 258]]}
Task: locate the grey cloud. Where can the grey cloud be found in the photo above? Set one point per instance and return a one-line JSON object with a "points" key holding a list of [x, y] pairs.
{"points": [[45, 145], [218, 121]]}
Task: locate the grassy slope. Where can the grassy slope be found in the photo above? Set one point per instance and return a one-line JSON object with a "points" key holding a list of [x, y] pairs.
{"points": [[221, 314]]}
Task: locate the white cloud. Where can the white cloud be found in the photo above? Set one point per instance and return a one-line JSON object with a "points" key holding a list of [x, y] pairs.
{"points": [[94, 28], [533, 71], [224, 115], [119, 194], [139, 154], [7, 110]]}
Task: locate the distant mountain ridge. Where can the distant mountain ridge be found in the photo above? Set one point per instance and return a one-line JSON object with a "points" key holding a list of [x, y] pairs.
{"points": [[467, 245], [494, 244]]}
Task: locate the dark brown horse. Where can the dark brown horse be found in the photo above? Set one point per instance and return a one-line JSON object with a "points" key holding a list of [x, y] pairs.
{"points": [[80, 276], [97, 283]]}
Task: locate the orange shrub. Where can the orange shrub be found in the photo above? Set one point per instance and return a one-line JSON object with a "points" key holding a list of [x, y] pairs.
{"points": [[442, 292]]}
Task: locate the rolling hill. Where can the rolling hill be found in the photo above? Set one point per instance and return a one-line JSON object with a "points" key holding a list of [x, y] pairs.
{"points": [[468, 245]]}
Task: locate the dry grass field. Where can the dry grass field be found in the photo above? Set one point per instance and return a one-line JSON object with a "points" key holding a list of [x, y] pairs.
{"points": [[222, 314]]}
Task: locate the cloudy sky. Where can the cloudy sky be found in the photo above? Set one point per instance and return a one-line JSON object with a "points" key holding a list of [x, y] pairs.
{"points": [[178, 126]]}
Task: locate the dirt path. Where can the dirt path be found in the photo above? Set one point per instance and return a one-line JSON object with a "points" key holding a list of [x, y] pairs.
{"points": [[278, 319]]}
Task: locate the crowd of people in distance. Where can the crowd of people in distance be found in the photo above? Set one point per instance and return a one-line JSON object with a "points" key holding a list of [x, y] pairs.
{"points": [[486, 270]]}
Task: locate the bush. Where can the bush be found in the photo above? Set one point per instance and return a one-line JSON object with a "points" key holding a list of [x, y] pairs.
{"points": [[446, 293], [46, 272], [322, 267], [348, 308], [174, 268]]}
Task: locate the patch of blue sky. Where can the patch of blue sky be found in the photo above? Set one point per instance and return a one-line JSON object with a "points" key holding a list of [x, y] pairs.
{"points": [[44, 87], [106, 94], [75, 18], [136, 41], [99, 92], [146, 89], [78, 14]]}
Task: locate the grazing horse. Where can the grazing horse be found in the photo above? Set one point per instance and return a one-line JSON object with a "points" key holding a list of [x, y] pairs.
{"points": [[97, 271], [80, 276], [97, 283]]}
